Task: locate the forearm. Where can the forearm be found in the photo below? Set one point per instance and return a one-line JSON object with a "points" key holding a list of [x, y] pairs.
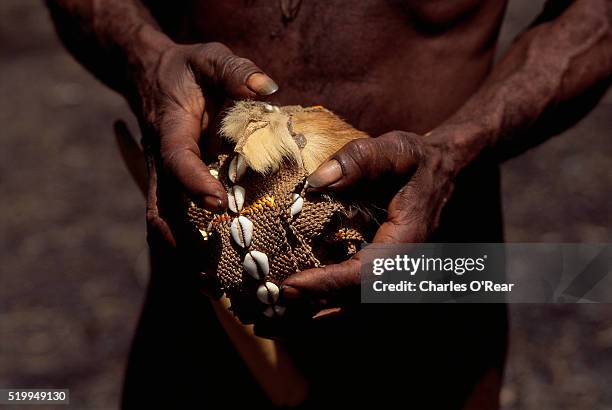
{"points": [[109, 37], [548, 79]]}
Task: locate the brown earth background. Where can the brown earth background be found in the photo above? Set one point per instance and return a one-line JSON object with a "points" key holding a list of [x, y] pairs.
{"points": [[73, 258]]}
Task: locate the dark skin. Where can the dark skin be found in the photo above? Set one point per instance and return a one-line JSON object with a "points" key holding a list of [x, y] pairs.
{"points": [[424, 68]]}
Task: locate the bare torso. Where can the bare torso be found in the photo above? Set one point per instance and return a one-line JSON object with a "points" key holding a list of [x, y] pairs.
{"points": [[382, 65]]}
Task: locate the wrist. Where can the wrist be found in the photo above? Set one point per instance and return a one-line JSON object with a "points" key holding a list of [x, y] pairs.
{"points": [[145, 46], [461, 142], [143, 49]]}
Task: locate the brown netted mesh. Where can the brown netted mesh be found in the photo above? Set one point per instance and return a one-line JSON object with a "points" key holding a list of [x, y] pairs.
{"points": [[322, 232]]}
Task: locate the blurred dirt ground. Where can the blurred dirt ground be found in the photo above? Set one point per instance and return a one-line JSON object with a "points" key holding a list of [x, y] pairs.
{"points": [[73, 253]]}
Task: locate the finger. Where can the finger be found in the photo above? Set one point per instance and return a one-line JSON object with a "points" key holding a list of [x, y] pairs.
{"points": [[366, 160], [401, 232], [132, 155], [238, 76], [180, 155], [411, 216], [331, 285], [159, 234]]}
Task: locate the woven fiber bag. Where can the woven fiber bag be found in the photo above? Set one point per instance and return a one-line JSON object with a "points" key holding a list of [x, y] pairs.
{"points": [[274, 226]]}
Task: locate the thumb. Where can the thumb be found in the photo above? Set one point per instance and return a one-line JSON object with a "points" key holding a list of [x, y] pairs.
{"points": [[238, 76], [366, 160], [335, 283]]}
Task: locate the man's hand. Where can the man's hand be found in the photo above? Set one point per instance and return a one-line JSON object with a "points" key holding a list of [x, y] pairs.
{"points": [[421, 166], [557, 68], [177, 103], [177, 97], [175, 91]]}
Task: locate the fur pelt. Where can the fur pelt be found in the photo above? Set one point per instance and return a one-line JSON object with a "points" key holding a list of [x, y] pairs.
{"points": [[267, 135]]}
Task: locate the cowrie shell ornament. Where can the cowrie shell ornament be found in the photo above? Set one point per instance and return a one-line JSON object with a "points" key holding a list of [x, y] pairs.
{"points": [[235, 198], [256, 264], [297, 204], [237, 168], [277, 310], [269, 312], [268, 293], [241, 230]]}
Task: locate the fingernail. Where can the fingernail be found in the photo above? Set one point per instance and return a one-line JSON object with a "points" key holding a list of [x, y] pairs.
{"points": [[325, 175], [213, 203], [261, 84], [290, 293]]}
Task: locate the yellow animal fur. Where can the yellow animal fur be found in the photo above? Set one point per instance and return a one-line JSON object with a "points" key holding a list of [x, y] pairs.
{"points": [[268, 135]]}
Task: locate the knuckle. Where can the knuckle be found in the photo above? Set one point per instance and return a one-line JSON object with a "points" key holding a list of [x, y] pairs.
{"points": [[405, 151], [153, 219], [170, 61], [171, 158], [236, 68], [225, 64], [359, 145], [355, 156], [213, 49], [410, 144], [359, 150]]}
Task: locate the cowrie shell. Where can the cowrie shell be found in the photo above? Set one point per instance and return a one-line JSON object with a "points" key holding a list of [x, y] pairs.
{"points": [[279, 310], [269, 312], [237, 168], [204, 234], [235, 198], [241, 230], [276, 310], [256, 264], [297, 204], [268, 293], [214, 173]]}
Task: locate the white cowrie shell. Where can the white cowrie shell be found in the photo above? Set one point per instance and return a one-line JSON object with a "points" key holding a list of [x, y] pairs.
{"points": [[237, 168], [297, 204], [276, 310], [204, 234], [235, 198], [280, 310], [268, 293], [214, 173], [256, 264], [241, 230], [269, 312]]}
